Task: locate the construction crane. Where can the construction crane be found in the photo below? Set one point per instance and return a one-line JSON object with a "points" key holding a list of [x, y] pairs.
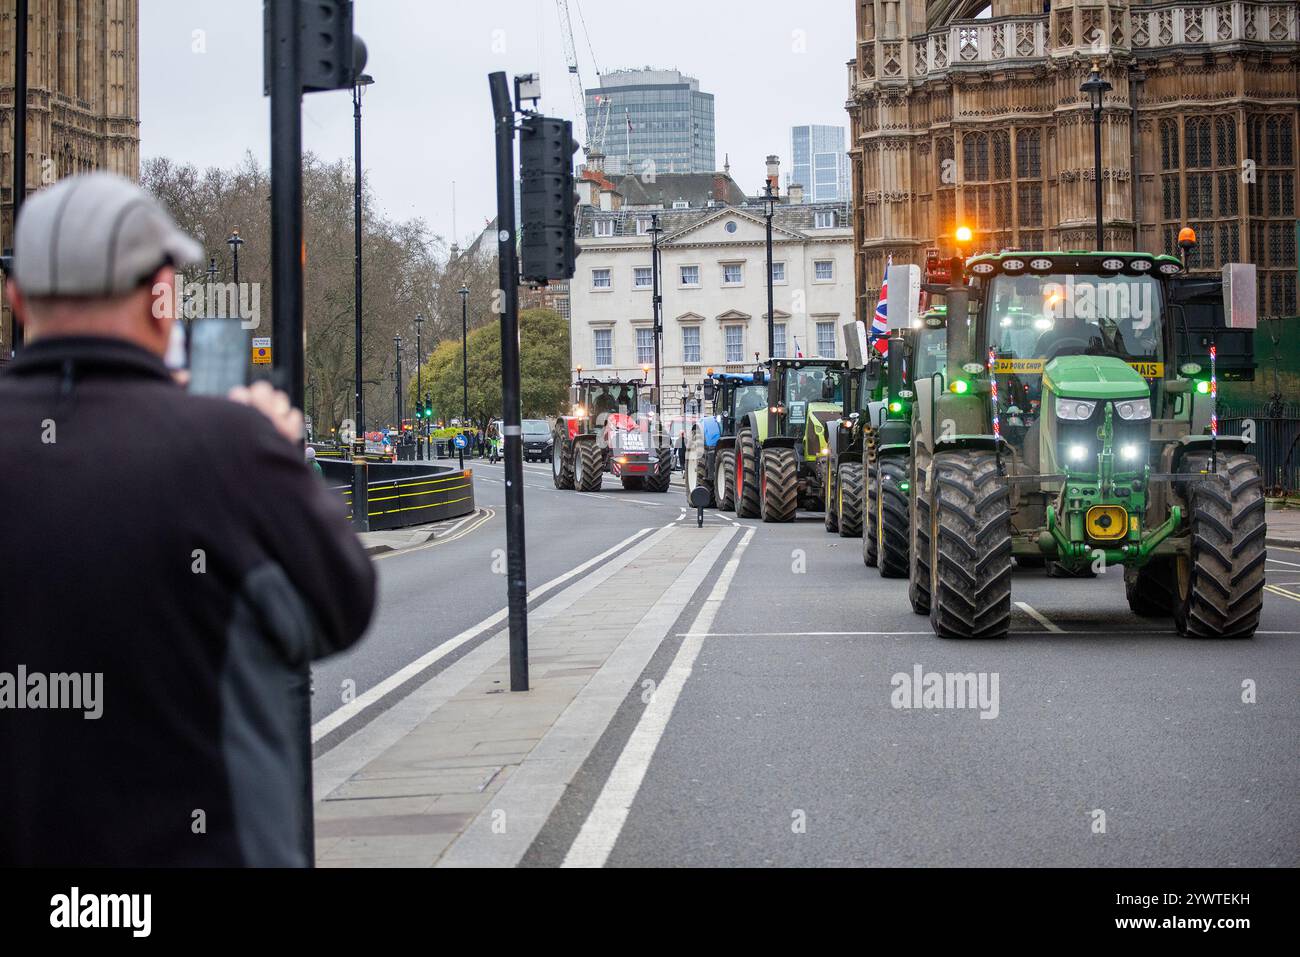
{"points": [[575, 78]]}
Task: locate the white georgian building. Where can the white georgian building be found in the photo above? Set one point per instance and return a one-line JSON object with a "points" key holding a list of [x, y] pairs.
{"points": [[712, 261]]}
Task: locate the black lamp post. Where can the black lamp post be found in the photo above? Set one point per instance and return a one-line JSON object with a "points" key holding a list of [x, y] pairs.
{"points": [[397, 385], [208, 297], [464, 364], [419, 390], [234, 242], [655, 312], [769, 209], [360, 488], [1095, 87]]}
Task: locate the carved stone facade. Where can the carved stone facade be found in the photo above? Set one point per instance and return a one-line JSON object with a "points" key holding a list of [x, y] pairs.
{"points": [[83, 96], [959, 120]]}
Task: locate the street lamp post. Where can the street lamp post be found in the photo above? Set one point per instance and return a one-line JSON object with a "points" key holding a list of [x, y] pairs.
{"points": [[769, 208], [656, 301], [234, 242], [419, 390], [1095, 87], [208, 297], [360, 480], [397, 386], [464, 364]]}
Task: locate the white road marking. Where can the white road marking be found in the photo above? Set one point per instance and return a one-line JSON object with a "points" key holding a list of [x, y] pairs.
{"points": [[600, 831], [480, 518], [367, 698], [1038, 617], [1278, 561]]}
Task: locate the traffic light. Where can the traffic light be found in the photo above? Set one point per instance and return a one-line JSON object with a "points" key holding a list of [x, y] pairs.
{"points": [[330, 56], [547, 199]]}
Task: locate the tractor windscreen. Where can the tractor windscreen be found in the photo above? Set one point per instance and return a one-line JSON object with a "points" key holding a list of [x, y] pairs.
{"points": [[931, 353], [1032, 320], [747, 399], [614, 398]]}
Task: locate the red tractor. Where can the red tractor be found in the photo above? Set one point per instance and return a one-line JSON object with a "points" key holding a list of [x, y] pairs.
{"points": [[609, 430]]}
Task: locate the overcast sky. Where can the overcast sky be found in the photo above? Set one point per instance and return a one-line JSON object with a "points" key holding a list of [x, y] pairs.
{"points": [[427, 120]]}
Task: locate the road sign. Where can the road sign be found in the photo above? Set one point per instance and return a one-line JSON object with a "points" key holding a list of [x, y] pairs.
{"points": [[262, 351], [460, 441]]}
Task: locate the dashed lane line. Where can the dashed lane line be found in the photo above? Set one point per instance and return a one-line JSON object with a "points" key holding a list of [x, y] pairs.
{"points": [[1039, 617]]}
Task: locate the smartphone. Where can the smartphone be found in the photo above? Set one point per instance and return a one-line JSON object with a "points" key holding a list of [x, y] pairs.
{"points": [[219, 356]]}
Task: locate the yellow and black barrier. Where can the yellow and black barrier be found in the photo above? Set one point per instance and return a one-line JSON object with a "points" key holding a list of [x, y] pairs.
{"points": [[405, 494]]}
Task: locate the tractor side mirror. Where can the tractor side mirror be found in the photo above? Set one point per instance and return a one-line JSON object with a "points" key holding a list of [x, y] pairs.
{"points": [[710, 390], [573, 395], [1239, 295], [828, 389], [760, 377]]}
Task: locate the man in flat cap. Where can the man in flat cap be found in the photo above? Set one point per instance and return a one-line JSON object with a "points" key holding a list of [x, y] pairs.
{"points": [[170, 564]]}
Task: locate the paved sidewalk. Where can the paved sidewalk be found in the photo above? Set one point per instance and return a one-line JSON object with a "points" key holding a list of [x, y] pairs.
{"points": [[1283, 527], [471, 780]]}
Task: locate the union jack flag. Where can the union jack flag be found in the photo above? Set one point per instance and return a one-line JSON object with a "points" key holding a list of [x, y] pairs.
{"points": [[880, 321]]}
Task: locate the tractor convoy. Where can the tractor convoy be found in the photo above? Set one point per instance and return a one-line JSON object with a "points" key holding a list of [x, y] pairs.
{"points": [[1050, 410]]}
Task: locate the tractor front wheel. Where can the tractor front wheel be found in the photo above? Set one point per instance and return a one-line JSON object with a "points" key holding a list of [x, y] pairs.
{"points": [[695, 466], [662, 477], [870, 544], [918, 567], [892, 541], [747, 496], [562, 460], [848, 499], [588, 466], [832, 495], [724, 492], [779, 484], [1151, 589], [1221, 582], [970, 547]]}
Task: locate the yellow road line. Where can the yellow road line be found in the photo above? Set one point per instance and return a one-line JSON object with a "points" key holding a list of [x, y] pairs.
{"points": [[1278, 590]]}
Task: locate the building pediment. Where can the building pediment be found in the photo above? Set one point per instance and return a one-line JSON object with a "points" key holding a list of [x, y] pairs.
{"points": [[690, 317], [713, 229], [734, 315]]}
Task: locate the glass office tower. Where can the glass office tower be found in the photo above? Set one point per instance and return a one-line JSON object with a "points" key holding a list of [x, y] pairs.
{"points": [[819, 163], [639, 117]]}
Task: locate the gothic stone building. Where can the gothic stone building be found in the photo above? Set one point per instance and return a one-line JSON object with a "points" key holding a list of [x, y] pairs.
{"points": [[83, 96], [969, 113]]}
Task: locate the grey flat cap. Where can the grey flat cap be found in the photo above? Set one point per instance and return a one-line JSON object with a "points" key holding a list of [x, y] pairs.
{"points": [[94, 235]]}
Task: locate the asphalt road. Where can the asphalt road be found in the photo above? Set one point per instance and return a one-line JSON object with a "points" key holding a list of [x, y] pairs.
{"points": [[785, 746]]}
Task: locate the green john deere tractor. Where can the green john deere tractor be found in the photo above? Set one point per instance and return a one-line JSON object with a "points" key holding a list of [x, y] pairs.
{"points": [[780, 448], [1074, 425]]}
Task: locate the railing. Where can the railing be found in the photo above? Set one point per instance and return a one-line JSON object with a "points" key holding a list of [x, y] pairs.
{"points": [[1236, 21], [1277, 443]]}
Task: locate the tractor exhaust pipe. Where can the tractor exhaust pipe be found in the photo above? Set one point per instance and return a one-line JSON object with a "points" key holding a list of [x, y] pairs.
{"points": [[957, 299]]}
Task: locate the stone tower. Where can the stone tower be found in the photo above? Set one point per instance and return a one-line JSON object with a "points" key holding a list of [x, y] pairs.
{"points": [[970, 112], [83, 97]]}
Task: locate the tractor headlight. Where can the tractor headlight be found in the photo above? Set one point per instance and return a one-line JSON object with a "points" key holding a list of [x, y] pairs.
{"points": [[1078, 453], [1075, 409], [1134, 408], [1130, 452]]}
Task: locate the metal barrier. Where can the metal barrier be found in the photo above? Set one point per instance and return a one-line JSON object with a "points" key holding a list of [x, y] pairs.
{"points": [[1277, 443], [406, 494]]}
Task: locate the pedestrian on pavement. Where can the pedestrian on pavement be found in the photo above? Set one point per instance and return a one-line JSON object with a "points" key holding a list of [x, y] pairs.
{"points": [[169, 557]]}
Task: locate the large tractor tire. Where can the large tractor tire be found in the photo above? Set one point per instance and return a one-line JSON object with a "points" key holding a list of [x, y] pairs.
{"points": [[746, 485], [662, 477], [830, 485], [893, 535], [562, 460], [695, 467], [724, 488], [588, 466], [779, 484], [870, 546], [918, 559], [970, 549], [848, 499], [1220, 584], [1152, 589]]}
